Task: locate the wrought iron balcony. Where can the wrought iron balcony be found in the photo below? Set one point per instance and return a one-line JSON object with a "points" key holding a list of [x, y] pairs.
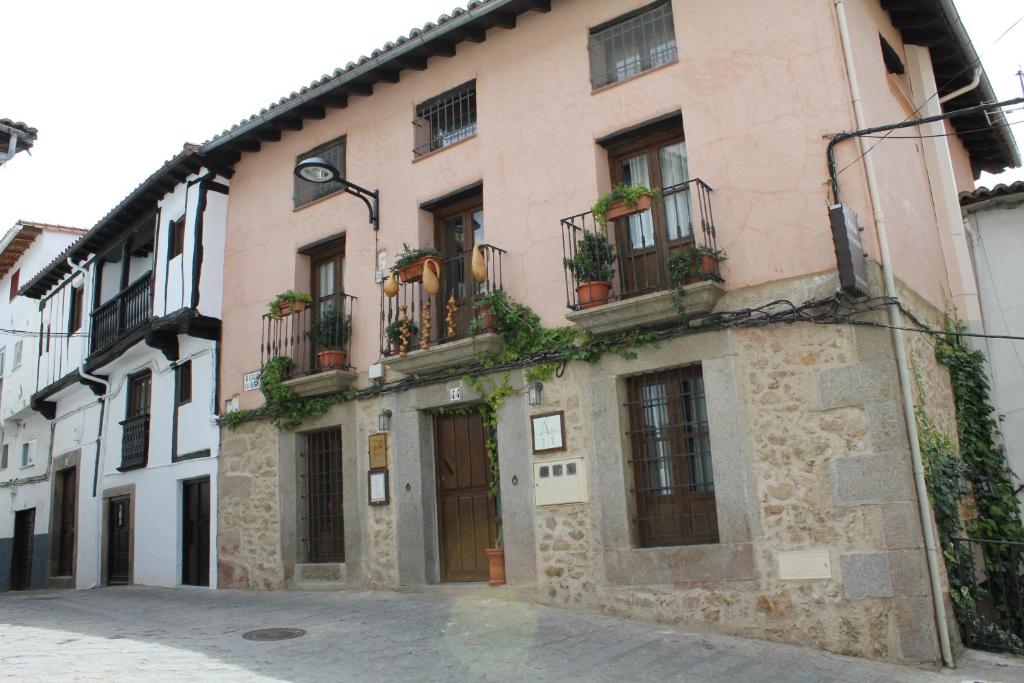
{"points": [[315, 338], [634, 252], [134, 442], [415, 319], [128, 310]]}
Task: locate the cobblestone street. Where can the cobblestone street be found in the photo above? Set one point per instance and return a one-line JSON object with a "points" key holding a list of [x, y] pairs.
{"points": [[134, 633]]}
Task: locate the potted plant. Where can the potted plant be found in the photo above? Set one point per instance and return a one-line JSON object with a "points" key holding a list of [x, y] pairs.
{"points": [[331, 331], [486, 320], [623, 200], [289, 303], [393, 333], [591, 268], [689, 266], [409, 264], [496, 558]]}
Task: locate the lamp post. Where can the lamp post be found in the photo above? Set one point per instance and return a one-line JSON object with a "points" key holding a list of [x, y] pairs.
{"points": [[320, 171]]}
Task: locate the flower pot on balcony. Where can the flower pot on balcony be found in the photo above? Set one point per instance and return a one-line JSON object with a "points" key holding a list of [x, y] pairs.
{"points": [[414, 271], [287, 308], [708, 266], [594, 293], [621, 209], [332, 360], [488, 321], [496, 565]]}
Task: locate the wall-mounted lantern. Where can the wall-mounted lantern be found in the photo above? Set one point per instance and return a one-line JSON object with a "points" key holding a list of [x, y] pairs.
{"points": [[535, 389], [384, 420]]}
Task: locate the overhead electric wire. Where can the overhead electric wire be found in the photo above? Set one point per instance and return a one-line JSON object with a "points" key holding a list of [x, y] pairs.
{"points": [[946, 135]]}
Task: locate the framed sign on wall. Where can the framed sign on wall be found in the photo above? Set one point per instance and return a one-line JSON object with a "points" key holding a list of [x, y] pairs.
{"points": [[548, 431], [378, 451], [379, 492]]}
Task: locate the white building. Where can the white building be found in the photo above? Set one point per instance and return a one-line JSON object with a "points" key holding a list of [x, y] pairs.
{"points": [[30, 537], [134, 402], [995, 222]]}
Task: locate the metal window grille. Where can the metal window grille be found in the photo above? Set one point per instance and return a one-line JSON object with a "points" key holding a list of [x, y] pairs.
{"points": [[445, 119], [631, 45], [304, 191], [325, 521], [673, 481]]}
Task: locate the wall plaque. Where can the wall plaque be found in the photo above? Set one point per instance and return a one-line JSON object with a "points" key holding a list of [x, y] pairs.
{"points": [[251, 380], [548, 432], [378, 451], [378, 487], [805, 565]]}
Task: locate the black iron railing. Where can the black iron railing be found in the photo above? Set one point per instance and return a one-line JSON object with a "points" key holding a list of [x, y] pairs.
{"points": [[129, 309], [315, 338], [134, 442], [988, 577], [640, 246], [443, 317]]}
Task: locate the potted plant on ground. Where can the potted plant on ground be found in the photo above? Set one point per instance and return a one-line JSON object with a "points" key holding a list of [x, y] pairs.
{"points": [[289, 303], [331, 331], [410, 263], [623, 200], [692, 265], [591, 268], [393, 333], [496, 558]]}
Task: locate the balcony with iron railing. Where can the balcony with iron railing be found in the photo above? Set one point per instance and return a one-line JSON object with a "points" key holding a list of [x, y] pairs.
{"points": [[128, 310], [623, 274], [431, 321], [315, 341], [134, 442]]}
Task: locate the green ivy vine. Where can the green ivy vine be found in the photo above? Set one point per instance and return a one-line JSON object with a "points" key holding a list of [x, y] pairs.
{"points": [[285, 408]]}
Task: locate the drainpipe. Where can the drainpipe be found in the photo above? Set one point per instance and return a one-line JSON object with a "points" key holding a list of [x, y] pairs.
{"points": [[964, 90], [889, 283]]}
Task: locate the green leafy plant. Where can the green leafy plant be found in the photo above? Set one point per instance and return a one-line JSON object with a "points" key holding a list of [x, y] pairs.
{"points": [[410, 256], [593, 259], [288, 297], [393, 332], [331, 330], [686, 267], [627, 194]]}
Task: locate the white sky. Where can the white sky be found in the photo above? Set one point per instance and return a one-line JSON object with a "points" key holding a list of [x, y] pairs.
{"points": [[116, 87]]}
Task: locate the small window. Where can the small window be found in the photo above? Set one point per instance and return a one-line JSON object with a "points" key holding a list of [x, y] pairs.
{"points": [[634, 43], [17, 353], [673, 481], [15, 279], [177, 237], [77, 306], [184, 382], [446, 119], [27, 453], [3, 457], [304, 191], [138, 395], [3, 360]]}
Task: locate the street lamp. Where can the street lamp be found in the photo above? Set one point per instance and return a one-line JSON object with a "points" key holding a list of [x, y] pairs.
{"points": [[320, 171]]}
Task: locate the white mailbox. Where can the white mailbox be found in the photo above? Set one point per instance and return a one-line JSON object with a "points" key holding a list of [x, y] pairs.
{"points": [[556, 482]]}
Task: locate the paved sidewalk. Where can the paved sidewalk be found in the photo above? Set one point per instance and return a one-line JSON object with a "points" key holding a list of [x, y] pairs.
{"points": [[135, 633]]}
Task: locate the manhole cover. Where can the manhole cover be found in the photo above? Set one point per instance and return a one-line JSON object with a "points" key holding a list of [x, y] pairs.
{"points": [[274, 634]]}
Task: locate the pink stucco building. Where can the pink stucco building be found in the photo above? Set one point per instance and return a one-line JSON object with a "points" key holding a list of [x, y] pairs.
{"points": [[753, 479]]}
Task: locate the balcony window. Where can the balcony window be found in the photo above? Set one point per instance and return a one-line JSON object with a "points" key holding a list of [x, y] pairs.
{"points": [[177, 238], [446, 119], [631, 44], [76, 307], [305, 192], [135, 427]]}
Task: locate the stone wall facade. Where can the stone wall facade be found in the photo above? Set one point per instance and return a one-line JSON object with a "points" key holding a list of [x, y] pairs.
{"points": [[809, 450]]}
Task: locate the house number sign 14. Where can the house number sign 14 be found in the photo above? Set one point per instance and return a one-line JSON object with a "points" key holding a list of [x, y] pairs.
{"points": [[454, 393]]}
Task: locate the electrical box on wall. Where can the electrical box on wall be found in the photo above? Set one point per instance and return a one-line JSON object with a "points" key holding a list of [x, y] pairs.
{"points": [[557, 482]]}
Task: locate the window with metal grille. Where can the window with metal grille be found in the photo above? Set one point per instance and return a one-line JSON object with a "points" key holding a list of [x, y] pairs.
{"points": [[632, 44], [325, 521], [446, 119], [673, 482], [332, 152]]}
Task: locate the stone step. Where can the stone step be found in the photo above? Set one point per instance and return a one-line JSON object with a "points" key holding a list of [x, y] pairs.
{"points": [[319, 577]]}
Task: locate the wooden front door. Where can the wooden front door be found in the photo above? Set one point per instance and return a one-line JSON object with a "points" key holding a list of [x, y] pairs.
{"points": [[195, 528], [119, 536], [66, 527], [646, 240], [21, 558], [466, 515]]}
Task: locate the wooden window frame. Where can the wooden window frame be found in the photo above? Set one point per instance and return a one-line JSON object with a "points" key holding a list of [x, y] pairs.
{"points": [[183, 383], [15, 280], [134, 383], [77, 309], [176, 236]]}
